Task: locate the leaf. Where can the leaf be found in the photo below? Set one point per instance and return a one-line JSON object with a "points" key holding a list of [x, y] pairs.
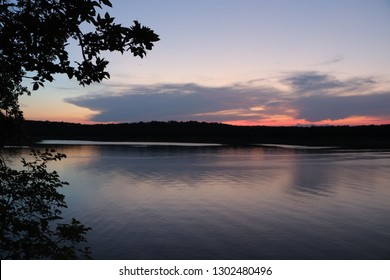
{"points": [[36, 86], [69, 72], [106, 2]]}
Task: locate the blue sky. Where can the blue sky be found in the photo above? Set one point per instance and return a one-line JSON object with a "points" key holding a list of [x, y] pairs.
{"points": [[278, 62]]}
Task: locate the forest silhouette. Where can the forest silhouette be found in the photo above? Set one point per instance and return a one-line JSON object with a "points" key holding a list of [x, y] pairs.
{"points": [[370, 136]]}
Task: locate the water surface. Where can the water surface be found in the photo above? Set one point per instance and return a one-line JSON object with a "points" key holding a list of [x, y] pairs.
{"points": [[214, 202]]}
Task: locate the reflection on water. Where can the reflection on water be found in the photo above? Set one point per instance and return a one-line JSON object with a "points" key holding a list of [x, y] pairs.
{"points": [[215, 202]]}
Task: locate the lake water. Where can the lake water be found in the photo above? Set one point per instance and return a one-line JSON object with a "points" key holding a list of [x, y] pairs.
{"points": [[148, 201]]}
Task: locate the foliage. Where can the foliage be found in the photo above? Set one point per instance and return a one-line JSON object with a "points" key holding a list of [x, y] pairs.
{"points": [[35, 34], [30, 213], [34, 41]]}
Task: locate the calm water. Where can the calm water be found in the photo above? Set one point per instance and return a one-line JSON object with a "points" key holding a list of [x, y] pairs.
{"points": [[215, 202]]}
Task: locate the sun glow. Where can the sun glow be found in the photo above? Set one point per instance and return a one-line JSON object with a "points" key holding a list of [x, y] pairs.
{"points": [[287, 121]]}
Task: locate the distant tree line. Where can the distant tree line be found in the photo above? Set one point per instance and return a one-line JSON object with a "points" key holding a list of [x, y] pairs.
{"points": [[371, 136]]}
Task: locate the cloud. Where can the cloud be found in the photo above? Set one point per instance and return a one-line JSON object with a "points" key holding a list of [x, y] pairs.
{"points": [[175, 102], [311, 96], [332, 60], [314, 83], [318, 108]]}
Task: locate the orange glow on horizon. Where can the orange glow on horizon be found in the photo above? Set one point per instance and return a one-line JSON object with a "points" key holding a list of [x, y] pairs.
{"points": [[352, 121], [66, 120], [73, 114]]}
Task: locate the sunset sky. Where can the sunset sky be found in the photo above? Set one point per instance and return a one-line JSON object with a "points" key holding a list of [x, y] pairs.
{"points": [[247, 62]]}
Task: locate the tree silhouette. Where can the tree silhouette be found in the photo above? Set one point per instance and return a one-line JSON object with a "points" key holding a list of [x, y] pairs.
{"points": [[34, 37], [30, 210]]}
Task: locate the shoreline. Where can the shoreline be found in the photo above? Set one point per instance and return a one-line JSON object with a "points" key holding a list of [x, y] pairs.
{"points": [[357, 137]]}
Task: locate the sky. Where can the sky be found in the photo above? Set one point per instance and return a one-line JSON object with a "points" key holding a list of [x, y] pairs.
{"points": [[247, 62]]}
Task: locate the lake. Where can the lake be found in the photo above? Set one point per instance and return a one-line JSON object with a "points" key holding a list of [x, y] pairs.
{"points": [[197, 201]]}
